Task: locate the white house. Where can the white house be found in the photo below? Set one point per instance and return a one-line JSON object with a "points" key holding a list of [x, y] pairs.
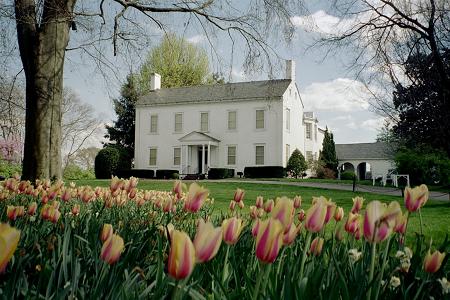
{"points": [[232, 125]]}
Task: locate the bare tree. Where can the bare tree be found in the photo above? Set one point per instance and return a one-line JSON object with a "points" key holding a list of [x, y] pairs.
{"points": [[43, 32], [85, 158]]}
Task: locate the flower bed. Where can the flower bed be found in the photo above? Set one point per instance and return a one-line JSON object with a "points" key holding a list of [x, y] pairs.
{"points": [[122, 242]]}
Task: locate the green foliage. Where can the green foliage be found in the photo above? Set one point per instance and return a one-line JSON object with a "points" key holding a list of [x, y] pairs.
{"points": [[111, 159], [347, 175], [296, 164], [328, 154], [8, 169], [179, 63], [74, 172], [220, 173], [122, 132], [424, 165]]}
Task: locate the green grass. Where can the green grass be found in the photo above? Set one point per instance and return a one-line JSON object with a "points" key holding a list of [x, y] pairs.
{"points": [[435, 213]]}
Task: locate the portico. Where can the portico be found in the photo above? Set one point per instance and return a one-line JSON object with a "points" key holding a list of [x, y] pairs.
{"points": [[197, 151]]}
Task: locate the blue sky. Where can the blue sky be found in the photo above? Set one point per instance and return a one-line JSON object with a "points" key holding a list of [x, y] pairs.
{"points": [[326, 86]]}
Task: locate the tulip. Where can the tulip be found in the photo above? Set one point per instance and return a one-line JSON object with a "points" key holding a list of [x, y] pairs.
{"points": [[167, 205], [400, 223], [112, 248], [107, 232], [76, 209], [269, 206], [181, 256], [339, 214], [178, 189], [339, 234], [9, 238], [255, 227], [301, 215], [297, 202], [432, 262], [315, 216], [132, 193], [32, 208], [207, 241], [357, 204], [54, 215], [259, 202], [316, 246], [269, 240], [66, 195], [416, 198], [232, 205], [331, 208], [289, 237], [353, 223], [379, 220], [231, 229], [131, 184], [239, 195], [241, 204], [253, 211], [116, 184], [284, 212], [13, 212], [195, 197]]}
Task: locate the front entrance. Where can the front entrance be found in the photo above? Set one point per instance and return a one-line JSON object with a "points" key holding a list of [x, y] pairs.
{"points": [[205, 161]]}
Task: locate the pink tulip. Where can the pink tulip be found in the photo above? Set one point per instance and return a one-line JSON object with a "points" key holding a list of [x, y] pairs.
{"points": [[241, 204], [107, 232], [432, 262], [76, 209], [289, 237], [315, 216], [195, 198], [416, 198], [297, 202], [357, 204], [111, 249], [32, 208], [253, 212], [207, 241], [13, 212], [269, 240], [167, 205], [66, 195], [269, 205], [255, 227], [379, 220], [316, 246], [9, 238], [259, 202], [301, 215], [353, 223], [177, 189], [232, 205], [181, 256], [116, 184], [331, 208], [339, 214], [231, 229], [239, 195], [400, 223], [284, 212]]}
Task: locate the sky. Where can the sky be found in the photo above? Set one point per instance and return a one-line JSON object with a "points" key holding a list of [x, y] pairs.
{"points": [[326, 85]]}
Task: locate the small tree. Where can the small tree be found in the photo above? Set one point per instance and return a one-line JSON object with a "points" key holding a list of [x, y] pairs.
{"points": [[328, 154], [297, 164]]}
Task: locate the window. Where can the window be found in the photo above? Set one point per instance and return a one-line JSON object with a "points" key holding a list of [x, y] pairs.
{"points": [[259, 159], [204, 120], [178, 122], [176, 156], [152, 160], [288, 152], [308, 131], [153, 123], [231, 120], [259, 118], [315, 132], [231, 155], [309, 155], [288, 119]]}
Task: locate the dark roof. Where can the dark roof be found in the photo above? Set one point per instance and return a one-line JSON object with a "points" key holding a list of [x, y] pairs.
{"points": [[253, 90], [378, 150]]}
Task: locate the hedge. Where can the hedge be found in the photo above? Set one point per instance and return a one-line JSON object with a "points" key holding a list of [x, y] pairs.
{"points": [[264, 172], [347, 175], [220, 173], [139, 173], [167, 174], [106, 162]]}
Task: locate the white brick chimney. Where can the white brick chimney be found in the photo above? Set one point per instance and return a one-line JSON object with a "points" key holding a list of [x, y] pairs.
{"points": [[290, 69], [155, 81]]}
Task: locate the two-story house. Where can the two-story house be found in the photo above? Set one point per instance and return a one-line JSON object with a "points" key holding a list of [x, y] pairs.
{"points": [[232, 125]]}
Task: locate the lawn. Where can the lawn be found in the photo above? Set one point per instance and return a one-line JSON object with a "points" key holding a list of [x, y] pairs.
{"points": [[435, 213]]}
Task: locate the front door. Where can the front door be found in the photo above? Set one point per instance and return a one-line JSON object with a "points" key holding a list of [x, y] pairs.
{"points": [[200, 159]]}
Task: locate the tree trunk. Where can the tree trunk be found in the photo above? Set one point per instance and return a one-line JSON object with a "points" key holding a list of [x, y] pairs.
{"points": [[42, 48]]}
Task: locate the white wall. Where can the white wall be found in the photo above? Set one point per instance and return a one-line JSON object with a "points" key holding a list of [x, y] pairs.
{"points": [[377, 166], [245, 137]]}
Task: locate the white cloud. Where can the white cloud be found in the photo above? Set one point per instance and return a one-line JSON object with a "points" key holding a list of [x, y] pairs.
{"points": [[341, 94], [319, 21], [196, 39], [373, 124]]}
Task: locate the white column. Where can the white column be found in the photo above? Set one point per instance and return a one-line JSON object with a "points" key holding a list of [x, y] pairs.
{"points": [[187, 159], [181, 159], [203, 158], [209, 155]]}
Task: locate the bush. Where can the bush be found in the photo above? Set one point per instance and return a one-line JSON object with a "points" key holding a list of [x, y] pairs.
{"points": [[296, 164], [325, 173], [220, 173], [106, 162], [139, 173], [8, 169], [264, 172], [424, 165], [167, 174], [347, 175], [74, 172]]}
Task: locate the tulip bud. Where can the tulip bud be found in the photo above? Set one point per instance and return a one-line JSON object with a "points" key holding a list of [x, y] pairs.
{"points": [[297, 202], [9, 238], [66, 195], [331, 208], [239, 195], [315, 216], [116, 184], [316, 246], [112, 248], [301, 215], [269, 206], [76, 209], [269, 240], [259, 202], [416, 198], [181, 256], [339, 234], [207, 241], [232, 205], [107, 232], [253, 212], [400, 223], [241, 204], [32, 208], [195, 198], [432, 262], [339, 214], [357, 204], [231, 229], [13, 212], [289, 237]]}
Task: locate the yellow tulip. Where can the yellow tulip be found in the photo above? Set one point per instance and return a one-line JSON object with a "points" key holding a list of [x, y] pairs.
{"points": [[9, 238]]}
